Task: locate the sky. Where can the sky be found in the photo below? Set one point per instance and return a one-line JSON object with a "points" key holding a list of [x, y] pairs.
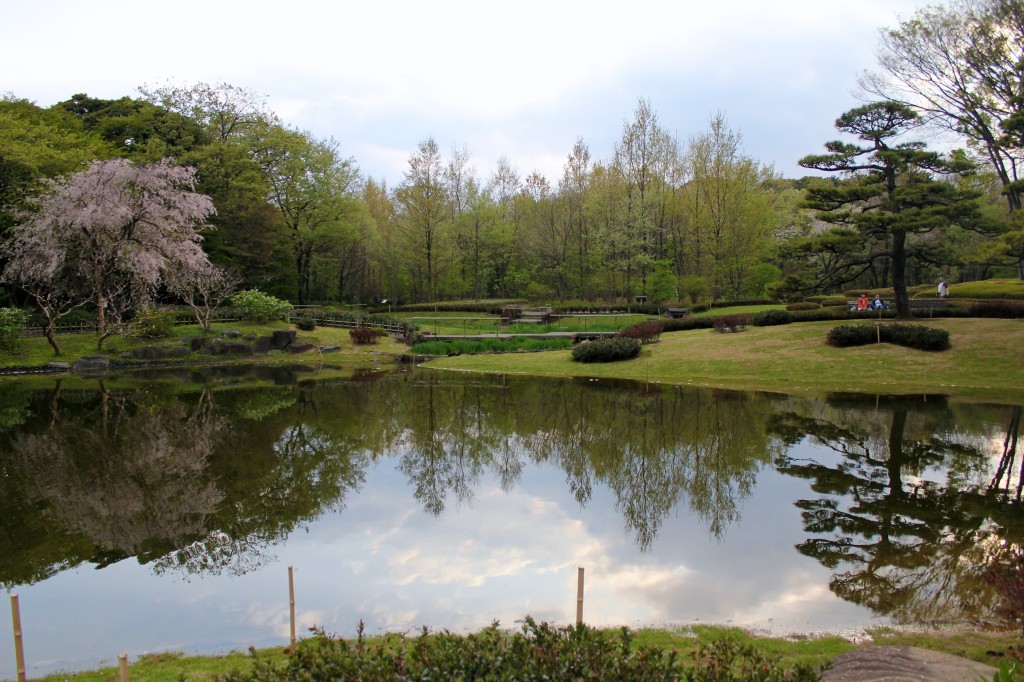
{"points": [[522, 80]]}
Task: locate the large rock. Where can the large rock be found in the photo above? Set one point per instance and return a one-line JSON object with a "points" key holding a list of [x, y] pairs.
{"points": [[282, 338], [904, 664]]}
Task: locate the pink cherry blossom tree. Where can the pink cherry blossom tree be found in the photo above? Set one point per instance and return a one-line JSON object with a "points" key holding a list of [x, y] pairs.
{"points": [[108, 235]]}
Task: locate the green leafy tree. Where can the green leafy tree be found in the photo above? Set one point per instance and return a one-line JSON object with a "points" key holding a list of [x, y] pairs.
{"points": [[315, 190], [892, 192]]}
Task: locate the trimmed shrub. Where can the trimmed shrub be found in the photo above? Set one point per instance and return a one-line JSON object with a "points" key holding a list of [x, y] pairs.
{"points": [[12, 323], [645, 332], [256, 306], [305, 322], [151, 323], [731, 323], [686, 324], [607, 350], [365, 335], [914, 336], [1013, 310], [771, 318], [803, 305]]}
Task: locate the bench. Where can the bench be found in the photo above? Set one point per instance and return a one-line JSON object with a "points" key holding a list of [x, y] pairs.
{"points": [[677, 313], [853, 306]]}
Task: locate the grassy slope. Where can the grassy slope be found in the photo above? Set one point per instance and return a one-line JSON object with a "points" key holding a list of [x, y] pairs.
{"points": [[984, 362]]}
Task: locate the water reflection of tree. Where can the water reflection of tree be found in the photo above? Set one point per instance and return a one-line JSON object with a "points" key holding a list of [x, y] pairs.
{"points": [[101, 475], [653, 449], [901, 517]]}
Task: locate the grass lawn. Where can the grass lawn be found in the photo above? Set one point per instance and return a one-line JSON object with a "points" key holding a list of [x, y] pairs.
{"points": [[984, 362]]}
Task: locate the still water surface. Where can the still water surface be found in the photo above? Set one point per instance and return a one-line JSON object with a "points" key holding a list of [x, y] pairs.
{"points": [[164, 516]]}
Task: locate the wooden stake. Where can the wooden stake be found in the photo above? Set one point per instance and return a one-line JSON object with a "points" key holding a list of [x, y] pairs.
{"points": [[19, 644], [291, 601], [579, 596], [122, 663]]}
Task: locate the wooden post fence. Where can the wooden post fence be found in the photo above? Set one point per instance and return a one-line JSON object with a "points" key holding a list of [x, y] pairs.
{"points": [[579, 596], [19, 643], [291, 602], [122, 664]]}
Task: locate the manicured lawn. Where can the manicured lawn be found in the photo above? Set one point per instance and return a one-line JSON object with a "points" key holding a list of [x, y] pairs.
{"points": [[984, 361]]}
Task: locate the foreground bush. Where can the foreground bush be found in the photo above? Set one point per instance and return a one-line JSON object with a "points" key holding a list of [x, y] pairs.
{"points": [[910, 335], [536, 652], [607, 350]]}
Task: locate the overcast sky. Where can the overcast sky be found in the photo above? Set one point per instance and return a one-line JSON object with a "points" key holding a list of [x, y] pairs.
{"points": [[521, 79]]}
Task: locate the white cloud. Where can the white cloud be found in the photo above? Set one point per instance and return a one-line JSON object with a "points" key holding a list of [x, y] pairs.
{"points": [[522, 79]]}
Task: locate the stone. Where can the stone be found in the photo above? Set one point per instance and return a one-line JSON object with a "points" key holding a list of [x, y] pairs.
{"points": [[301, 347], [262, 344], [91, 366], [329, 349], [232, 334], [904, 664], [282, 338], [60, 366]]}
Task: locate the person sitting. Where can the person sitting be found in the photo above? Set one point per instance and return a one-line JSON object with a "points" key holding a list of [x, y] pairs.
{"points": [[862, 302], [877, 303]]}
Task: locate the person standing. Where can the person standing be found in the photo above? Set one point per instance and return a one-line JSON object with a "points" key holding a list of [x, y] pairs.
{"points": [[943, 290]]}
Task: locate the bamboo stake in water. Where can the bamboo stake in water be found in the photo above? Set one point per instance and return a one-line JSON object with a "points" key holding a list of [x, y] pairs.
{"points": [[122, 663], [291, 601], [19, 644], [579, 596]]}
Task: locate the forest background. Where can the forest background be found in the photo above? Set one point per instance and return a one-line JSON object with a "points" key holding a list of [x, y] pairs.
{"points": [[665, 217]]}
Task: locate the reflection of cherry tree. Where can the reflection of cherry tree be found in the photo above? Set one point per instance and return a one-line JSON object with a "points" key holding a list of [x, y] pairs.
{"points": [[135, 486], [899, 543]]}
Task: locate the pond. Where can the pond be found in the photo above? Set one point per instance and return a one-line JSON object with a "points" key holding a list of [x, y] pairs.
{"points": [[162, 511]]}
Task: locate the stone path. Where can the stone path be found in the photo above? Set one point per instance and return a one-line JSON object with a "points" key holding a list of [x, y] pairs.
{"points": [[904, 664]]}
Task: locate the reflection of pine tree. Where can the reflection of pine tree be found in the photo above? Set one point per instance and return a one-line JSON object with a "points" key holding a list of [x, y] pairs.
{"points": [[910, 549]]}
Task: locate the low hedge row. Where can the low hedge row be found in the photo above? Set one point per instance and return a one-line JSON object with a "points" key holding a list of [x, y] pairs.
{"points": [[915, 336], [536, 652], [476, 346], [607, 350]]}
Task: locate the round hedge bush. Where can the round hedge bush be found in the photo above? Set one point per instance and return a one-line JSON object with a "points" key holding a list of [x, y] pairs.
{"points": [[607, 350], [910, 335]]}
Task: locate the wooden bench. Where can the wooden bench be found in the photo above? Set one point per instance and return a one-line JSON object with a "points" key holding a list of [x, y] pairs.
{"points": [[677, 313], [853, 306]]}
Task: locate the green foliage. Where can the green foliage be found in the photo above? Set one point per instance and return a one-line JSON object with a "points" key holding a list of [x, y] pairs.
{"points": [[151, 323], [645, 332], [607, 350], [694, 287], [536, 652], [12, 323], [805, 305], [306, 322], [366, 335], [255, 306], [472, 346], [910, 335], [661, 284]]}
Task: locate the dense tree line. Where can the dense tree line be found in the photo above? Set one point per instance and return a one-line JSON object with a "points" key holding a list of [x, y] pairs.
{"points": [[663, 216]]}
